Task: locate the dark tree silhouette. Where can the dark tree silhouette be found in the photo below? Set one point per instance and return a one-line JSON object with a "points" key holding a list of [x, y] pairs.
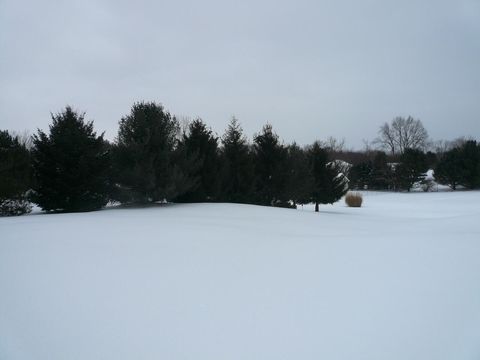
{"points": [[237, 174], [360, 175], [329, 185], [149, 165], [270, 168], [471, 164], [449, 170], [401, 134], [382, 173], [200, 144], [15, 175], [299, 177], [71, 165], [411, 169]]}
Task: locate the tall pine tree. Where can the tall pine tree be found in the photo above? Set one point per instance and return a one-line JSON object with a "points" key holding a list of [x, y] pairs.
{"points": [[299, 178], [237, 171], [71, 165], [201, 144], [149, 166], [270, 168]]}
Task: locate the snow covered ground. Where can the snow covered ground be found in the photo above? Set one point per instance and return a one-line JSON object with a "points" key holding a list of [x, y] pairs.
{"points": [[396, 279]]}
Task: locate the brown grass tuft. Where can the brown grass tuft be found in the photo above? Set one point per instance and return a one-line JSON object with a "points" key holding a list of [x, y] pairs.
{"points": [[354, 199]]}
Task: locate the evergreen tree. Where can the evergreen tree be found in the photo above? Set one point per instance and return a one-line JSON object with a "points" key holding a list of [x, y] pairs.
{"points": [[15, 175], [71, 165], [299, 178], [200, 144], [329, 185], [432, 159], [360, 175], [470, 154], [449, 170], [270, 168], [149, 166], [382, 173], [237, 177], [183, 173], [412, 168]]}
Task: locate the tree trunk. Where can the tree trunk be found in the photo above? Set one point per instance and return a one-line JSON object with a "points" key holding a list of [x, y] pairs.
{"points": [[316, 206]]}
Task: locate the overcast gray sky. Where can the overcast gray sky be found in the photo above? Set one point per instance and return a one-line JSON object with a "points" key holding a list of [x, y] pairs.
{"points": [[312, 69]]}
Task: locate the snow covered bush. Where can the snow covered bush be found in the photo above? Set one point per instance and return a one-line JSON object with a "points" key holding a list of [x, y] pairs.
{"points": [[354, 199], [14, 207], [427, 185]]}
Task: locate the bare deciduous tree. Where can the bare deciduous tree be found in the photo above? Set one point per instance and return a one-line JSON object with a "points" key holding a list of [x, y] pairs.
{"points": [[24, 137], [401, 134], [334, 144]]}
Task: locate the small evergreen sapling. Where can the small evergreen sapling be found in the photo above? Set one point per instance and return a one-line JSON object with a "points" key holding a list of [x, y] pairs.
{"points": [[329, 184]]}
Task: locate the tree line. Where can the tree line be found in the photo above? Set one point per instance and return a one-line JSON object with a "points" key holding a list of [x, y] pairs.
{"points": [[72, 168], [152, 159], [457, 165]]}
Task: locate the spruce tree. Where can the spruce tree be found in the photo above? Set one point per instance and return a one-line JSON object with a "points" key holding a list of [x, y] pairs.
{"points": [[201, 144], [382, 174], [15, 175], [360, 175], [329, 185], [299, 178], [449, 170], [237, 170], [270, 168], [71, 165], [412, 168], [149, 165], [470, 154]]}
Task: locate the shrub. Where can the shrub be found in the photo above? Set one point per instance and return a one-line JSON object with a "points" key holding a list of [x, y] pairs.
{"points": [[354, 199], [14, 207], [427, 185]]}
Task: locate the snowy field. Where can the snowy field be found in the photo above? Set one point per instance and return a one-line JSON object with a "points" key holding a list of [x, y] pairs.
{"points": [[396, 279]]}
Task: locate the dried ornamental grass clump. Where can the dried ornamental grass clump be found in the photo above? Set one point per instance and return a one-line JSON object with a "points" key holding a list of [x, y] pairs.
{"points": [[354, 199]]}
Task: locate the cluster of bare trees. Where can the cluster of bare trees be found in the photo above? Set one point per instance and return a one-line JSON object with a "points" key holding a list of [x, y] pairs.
{"points": [[401, 134]]}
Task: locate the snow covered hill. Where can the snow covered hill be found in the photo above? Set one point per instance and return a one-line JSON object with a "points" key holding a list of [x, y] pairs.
{"points": [[396, 279]]}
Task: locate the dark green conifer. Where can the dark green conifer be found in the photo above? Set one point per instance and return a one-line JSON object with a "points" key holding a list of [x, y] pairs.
{"points": [[237, 169], [329, 185], [71, 165], [270, 168], [15, 175]]}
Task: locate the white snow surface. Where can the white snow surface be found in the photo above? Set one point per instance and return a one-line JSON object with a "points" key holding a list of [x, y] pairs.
{"points": [[396, 279]]}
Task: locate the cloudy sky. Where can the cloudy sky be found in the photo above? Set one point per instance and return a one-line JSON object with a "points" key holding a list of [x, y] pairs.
{"points": [[312, 69]]}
